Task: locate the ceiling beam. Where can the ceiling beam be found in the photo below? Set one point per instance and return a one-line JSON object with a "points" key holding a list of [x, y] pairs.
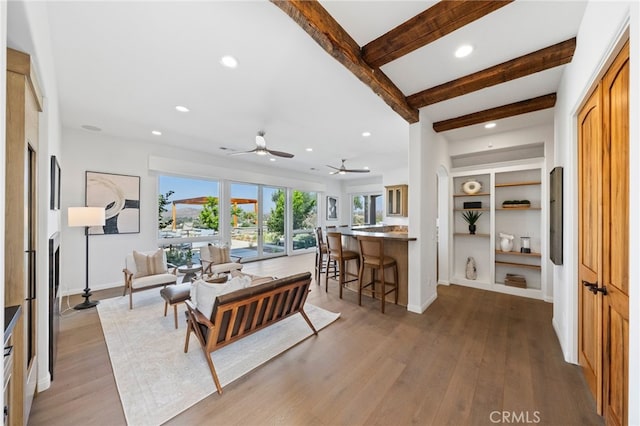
{"points": [[439, 20], [549, 57], [510, 110], [326, 31]]}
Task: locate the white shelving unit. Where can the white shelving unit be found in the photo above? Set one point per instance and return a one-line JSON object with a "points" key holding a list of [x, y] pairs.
{"points": [[521, 181]]}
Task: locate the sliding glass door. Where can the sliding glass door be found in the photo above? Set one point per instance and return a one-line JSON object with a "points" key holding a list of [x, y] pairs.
{"points": [[258, 218]]}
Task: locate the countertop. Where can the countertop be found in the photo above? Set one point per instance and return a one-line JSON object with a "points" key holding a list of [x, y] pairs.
{"points": [[393, 235]]}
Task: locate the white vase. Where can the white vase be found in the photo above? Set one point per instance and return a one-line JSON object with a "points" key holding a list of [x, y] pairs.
{"points": [[506, 244]]}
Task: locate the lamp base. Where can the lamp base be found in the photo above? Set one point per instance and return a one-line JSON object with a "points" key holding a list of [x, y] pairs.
{"points": [[87, 303]]}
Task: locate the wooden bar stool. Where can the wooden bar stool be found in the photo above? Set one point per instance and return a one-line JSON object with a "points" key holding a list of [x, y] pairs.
{"points": [[341, 257], [372, 252], [321, 254]]}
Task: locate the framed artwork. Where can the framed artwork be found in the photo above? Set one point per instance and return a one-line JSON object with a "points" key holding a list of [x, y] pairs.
{"points": [[120, 196], [332, 208], [54, 203], [555, 215]]}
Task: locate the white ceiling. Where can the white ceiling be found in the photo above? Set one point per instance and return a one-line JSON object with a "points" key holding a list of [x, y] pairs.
{"points": [[124, 66]]}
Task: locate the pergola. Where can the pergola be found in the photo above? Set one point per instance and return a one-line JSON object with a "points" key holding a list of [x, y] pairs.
{"points": [[203, 200]]}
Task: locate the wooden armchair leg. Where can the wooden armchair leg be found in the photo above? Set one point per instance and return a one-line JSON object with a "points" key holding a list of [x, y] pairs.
{"points": [[131, 299], [175, 314], [165, 308]]}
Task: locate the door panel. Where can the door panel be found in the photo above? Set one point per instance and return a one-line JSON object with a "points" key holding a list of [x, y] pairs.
{"points": [[616, 239], [589, 244]]}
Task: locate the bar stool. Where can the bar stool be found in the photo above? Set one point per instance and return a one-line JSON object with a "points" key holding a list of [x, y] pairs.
{"points": [[372, 252], [321, 252], [341, 257]]}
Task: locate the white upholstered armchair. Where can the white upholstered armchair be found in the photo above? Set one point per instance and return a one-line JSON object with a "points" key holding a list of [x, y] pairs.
{"points": [[145, 270], [216, 259]]}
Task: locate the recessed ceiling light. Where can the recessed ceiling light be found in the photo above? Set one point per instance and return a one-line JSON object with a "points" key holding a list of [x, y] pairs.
{"points": [[272, 159], [490, 125], [182, 108], [366, 134], [229, 61], [92, 128], [464, 50], [156, 132], [309, 149]]}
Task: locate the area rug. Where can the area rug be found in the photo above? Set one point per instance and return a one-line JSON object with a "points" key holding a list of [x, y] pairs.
{"points": [[157, 380]]}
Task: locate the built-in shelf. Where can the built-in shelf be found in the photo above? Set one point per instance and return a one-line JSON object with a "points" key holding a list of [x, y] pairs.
{"points": [[503, 185], [466, 234], [472, 195], [517, 253], [464, 210], [518, 265], [519, 208]]}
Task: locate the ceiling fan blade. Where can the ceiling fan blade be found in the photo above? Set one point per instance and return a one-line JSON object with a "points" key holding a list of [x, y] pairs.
{"points": [[243, 152], [335, 168], [356, 171], [280, 153]]}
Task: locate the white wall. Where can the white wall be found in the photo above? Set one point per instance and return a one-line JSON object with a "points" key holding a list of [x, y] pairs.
{"points": [[83, 150], [602, 27], [427, 153]]}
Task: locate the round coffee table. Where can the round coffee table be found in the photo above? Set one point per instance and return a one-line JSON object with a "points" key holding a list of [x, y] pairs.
{"points": [[189, 271]]}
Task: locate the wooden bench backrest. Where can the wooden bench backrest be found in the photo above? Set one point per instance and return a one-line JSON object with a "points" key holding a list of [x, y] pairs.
{"points": [[246, 311]]}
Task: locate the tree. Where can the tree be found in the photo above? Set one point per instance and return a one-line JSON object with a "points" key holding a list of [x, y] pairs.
{"points": [[209, 216], [163, 201], [304, 204]]}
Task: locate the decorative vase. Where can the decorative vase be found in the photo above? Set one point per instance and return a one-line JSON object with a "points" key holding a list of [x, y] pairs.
{"points": [[472, 229], [189, 264], [506, 242], [471, 272]]}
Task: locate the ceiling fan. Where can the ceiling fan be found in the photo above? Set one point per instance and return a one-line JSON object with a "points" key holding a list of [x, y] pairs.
{"points": [[343, 170], [261, 148]]}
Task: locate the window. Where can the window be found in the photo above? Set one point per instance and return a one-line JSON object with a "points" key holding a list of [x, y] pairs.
{"points": [[305, 219], [366, 209], [188, 216]]}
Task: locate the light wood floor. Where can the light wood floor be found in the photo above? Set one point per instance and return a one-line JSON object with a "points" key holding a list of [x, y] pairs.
{"points": [[472, 353]]}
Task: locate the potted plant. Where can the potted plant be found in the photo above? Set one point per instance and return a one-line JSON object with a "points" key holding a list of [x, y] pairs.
{"points": [[189, 257], [471, 217]]}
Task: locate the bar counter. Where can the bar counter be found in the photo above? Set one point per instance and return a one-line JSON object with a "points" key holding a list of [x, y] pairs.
{"points": [[395, 245]]}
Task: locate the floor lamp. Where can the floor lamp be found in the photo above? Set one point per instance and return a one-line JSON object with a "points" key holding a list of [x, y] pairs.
{"points": [[86, 217]]}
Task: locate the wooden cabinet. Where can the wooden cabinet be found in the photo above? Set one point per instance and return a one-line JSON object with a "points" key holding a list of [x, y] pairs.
{"points": [[24, 104], [397, 204]]}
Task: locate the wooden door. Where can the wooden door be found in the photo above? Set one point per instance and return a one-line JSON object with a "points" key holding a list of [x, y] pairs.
{"points": [[603, 241], [589, 243], [615, 267]]}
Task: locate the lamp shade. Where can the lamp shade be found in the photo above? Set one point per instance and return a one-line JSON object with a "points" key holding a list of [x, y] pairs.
{"points": [[86, 216]]}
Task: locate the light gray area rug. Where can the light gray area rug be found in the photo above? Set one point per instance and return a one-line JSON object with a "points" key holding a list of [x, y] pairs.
{"points": [[157, 380]]}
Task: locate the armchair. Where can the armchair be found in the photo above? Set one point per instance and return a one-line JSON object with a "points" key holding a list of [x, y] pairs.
{"points": [[144, 270], [218, 259]]}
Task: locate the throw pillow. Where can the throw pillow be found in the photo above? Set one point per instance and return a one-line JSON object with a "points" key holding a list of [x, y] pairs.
{"points": [[219, 254], [204, 294], [149, 264]]}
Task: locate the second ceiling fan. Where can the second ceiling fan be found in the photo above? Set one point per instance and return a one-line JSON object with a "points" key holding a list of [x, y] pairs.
{"points": [[342, 170]]}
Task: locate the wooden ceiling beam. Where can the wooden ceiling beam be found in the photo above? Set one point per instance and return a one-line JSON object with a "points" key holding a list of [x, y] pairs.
{"points": [[439, 20], [510, 110], [549, 57], [325, 30]]}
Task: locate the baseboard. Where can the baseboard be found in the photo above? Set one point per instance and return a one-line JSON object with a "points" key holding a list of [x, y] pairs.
{"points": [[443, 282], [419, 309], [67, 292], [556, 328], [44, 383]]}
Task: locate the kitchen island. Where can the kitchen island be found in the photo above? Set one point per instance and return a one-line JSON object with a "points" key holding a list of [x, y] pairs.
{"points": [[396, 241]]}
